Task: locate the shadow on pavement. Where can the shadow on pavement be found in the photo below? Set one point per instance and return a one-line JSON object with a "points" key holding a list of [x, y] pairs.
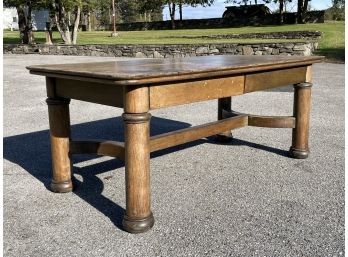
{"points": [[31, 151]]}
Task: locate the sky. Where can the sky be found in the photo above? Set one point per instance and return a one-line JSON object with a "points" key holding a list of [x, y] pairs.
{"points": [[216, 10]]}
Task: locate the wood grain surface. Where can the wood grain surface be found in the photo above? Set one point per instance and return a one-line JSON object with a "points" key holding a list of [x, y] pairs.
{"points": [[272, 79], [140, 71], [195, 91], [86, 91], [182, 136]]}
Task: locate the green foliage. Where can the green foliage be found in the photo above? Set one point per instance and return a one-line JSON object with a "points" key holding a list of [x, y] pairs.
{"points": [[102, 13], [240, 2], [90, 5], [336, 12], [338, 3], [195, 3], [135, 10], [33, 4]]}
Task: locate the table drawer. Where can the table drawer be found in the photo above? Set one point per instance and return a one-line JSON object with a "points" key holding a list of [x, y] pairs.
{"points": [[271, 79], [195, 91]]}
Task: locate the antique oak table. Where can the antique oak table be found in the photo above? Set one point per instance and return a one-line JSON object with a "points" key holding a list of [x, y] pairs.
{"points": [[141, 85]]}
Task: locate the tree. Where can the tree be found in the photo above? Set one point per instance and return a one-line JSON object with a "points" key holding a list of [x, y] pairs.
{"points": [[180, 9], [136, 10], [103, 14], [171, 8], [302, 7], [281, 11], [240, 2], [62, 10], [338, 3], [337, 10], [114, 33], [24, 10], [129, 10], [88, 9], [173, 3], [281, 8]]}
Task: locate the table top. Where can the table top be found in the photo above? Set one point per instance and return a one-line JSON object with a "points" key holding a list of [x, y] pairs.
{"points": [[148, 70]]}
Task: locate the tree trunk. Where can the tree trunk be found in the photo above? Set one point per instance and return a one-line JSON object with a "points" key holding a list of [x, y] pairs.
{"points": [[302, 7], [149, 17], [76, 25], [30, 27], [62, 23], [300, 11], [69, 19], [180, 9], [281, 11], [171, 7], [304, 11], [49, 37], [114, 33], [24, 24], [89, 21]]}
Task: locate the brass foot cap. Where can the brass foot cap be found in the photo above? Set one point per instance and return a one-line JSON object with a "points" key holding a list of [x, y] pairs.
{"points": [[298, 154], [224, 138], [136, 226], [61, 187]]}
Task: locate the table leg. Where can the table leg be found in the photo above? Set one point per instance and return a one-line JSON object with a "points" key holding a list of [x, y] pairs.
{"points": [[302, 105], [138, 217], [224, 104], [59, 119]]}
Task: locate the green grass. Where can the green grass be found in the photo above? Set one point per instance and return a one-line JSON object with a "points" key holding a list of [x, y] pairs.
{"points": [[331, 44]]}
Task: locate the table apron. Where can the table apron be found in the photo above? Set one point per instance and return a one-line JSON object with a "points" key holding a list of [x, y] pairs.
{"points": [[195, 91], [165, 95], [94, 92], [272, 79]]}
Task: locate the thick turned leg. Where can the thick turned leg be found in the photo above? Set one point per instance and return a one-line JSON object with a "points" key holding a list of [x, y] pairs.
{"points": [[302, 105], [224, 104], [138, 217], [58, 112]]}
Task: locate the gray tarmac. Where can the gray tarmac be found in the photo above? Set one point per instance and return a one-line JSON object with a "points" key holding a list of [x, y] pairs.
{"points": [[246, 198]]}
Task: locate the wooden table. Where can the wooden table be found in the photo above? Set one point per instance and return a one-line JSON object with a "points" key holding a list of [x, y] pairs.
{"points": [[139, 86]]}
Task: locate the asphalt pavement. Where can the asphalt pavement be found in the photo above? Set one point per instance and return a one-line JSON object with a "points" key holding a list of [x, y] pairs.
{"points": [[245, 198]]}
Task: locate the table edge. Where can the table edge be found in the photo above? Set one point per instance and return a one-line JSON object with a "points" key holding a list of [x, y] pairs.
{"points": [[175, 77]]}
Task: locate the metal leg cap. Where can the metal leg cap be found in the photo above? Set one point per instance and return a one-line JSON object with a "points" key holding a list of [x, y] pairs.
{"points": [[224, 138], [298, 154], [61, 187], [138, 226]]}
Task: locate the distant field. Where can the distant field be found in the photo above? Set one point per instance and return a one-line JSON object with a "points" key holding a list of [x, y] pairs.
{"points": [[331, 44]]}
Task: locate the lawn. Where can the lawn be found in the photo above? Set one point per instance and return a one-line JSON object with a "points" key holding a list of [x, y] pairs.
{"points": [[331, 44]]}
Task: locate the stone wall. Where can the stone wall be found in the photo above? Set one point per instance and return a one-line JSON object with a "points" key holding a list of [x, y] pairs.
{"points": [[166, 51]]}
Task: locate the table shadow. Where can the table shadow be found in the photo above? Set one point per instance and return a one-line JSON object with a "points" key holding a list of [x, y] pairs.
{"points": [[270, 149], [31, 151]]}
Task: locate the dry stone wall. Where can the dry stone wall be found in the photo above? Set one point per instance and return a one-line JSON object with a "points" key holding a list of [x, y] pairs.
{"points": [[166, 51]]}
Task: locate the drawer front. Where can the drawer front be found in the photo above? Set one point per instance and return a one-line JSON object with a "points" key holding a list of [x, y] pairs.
{"points": [[195, 91], [271, 79]]}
